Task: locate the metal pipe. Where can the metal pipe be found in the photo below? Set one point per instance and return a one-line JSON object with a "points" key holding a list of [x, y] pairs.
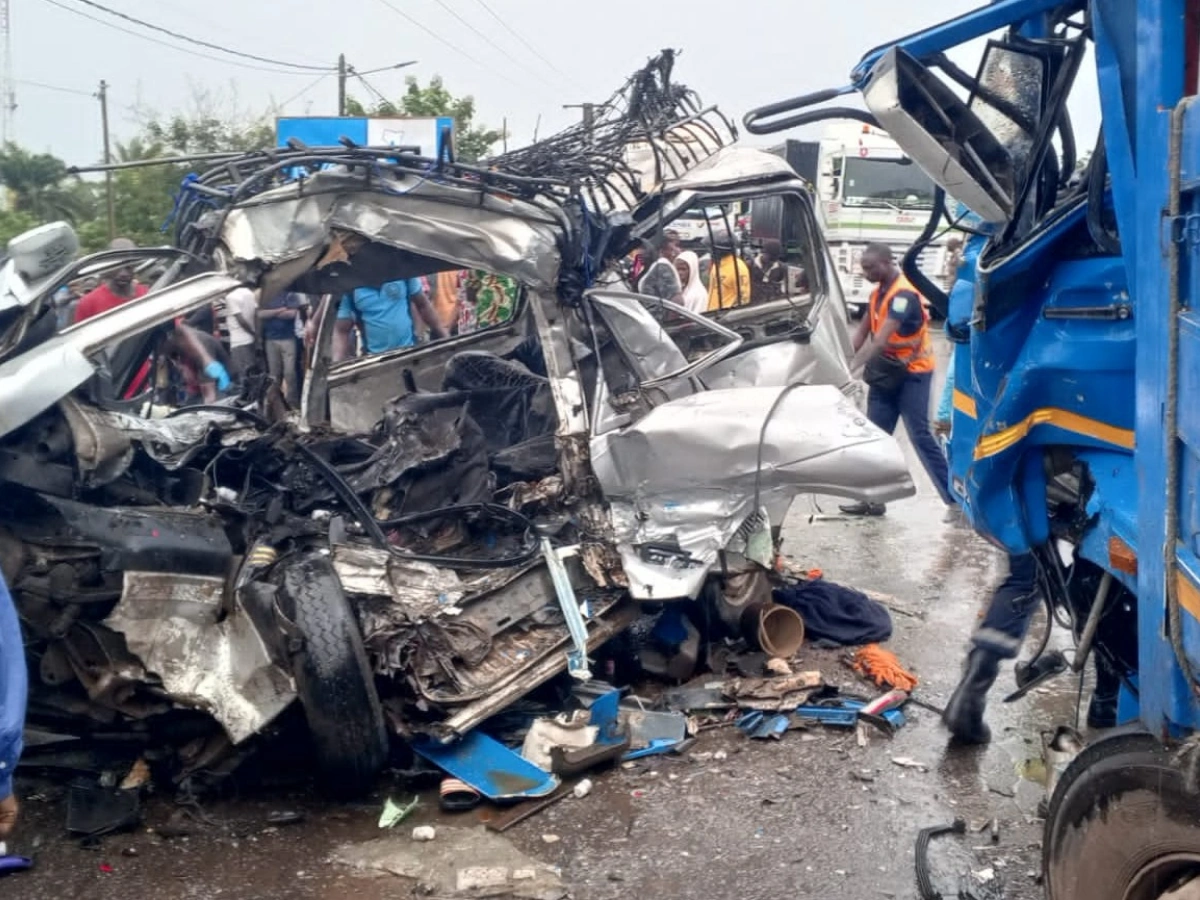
{"points": [[1093, 621]]}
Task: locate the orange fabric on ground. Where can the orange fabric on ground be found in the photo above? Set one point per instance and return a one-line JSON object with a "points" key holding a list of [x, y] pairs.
{"points": [[882, 667]]}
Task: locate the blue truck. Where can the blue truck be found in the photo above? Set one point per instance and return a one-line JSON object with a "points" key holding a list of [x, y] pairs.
{"points": [[1076, 428]]}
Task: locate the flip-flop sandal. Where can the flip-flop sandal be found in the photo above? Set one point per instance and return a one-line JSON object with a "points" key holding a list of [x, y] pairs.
{"points": [[458, 796]]}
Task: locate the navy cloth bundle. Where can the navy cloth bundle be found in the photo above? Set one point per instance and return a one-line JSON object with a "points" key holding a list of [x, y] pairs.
{"points": [[837, 614]]}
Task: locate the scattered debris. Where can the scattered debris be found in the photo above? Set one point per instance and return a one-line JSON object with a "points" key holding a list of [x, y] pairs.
{"points": [[393, 814], [569, 731], [582, 789], [489, 767], [777, 666], [707, 694], [522, 811], [907, 762], [550, 839], [651, 732], [756, 724], [424, 833], [285, 817], [139, 775], [925, 886], [773, 694], [94, 811]]}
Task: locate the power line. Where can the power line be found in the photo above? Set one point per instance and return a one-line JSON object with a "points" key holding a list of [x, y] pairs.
{"points": [[450, 9], [520, 37], [201, 43], [303, 91], [370, 87], [162, 43], [213, 23], [54, 87], [437, 37]]}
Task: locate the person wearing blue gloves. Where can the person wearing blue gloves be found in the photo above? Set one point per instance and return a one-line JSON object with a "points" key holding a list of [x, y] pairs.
{"points": [[13, 691]]}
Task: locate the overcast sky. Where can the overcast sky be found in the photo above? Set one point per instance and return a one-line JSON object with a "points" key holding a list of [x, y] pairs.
{"points": [[736, 53]]}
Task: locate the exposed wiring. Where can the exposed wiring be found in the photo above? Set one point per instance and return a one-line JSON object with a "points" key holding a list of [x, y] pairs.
{"points": [[169, 45], [202, 43], [529, 551]]}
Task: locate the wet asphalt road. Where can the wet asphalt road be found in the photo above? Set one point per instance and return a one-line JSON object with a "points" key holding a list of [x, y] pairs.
{"points": [[769, 820]]}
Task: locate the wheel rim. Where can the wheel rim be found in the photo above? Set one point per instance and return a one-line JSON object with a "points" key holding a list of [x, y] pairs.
{"points": [[1172, 876]]}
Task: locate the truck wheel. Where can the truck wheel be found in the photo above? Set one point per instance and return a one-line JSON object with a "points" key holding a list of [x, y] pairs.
{"points": [[1122, 825], [333, 678]]}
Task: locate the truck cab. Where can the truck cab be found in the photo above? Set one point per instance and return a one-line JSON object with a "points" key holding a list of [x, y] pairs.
{"points": [[867, 190]]}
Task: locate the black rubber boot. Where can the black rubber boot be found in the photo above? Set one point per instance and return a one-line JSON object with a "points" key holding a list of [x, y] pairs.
{"points": [[964, 712], [1102, 710], [864, 509]]}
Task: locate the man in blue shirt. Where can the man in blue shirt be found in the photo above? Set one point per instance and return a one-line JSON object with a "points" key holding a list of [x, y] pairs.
{"points": [[13, 690], [277, 324], [383, 317]]}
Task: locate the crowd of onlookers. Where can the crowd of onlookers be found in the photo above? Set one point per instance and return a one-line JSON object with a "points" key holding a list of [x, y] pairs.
{"points": [[720, 279], [213, 350]]}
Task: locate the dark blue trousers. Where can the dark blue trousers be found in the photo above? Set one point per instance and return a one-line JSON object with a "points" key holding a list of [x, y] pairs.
{"points": [[1007, 619], [911, 403], [1013, 604]]}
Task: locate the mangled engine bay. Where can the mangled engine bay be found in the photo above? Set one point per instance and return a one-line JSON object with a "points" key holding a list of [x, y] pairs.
{"points": [[133, 606]]}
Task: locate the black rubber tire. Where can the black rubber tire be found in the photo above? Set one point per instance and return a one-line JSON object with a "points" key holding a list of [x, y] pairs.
{"points": [[1119, 806], [333, 678]]}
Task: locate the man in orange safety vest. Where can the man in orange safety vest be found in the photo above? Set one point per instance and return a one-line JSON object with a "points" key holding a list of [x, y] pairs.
{"points": [[894, 346]]}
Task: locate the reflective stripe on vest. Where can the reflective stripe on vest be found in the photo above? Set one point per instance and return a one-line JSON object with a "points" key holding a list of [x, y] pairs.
{"points": [[915, 349]]}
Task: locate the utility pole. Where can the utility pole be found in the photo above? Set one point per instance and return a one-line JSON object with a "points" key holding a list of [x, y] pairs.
{"points": [[108, 178], [8, 96], [342, 84], [589, 116]]}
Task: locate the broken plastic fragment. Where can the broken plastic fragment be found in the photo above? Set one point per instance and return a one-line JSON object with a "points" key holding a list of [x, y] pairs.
{"points": [[393, 814]]}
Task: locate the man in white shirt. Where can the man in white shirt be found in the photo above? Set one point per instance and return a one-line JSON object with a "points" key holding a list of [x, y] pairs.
{"points": [[241, 308]]}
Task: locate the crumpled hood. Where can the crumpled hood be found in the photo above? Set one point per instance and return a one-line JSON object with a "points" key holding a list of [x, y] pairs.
{"points": [[686, 474]]}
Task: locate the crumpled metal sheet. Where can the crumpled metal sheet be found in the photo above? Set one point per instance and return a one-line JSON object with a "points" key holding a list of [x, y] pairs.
{"points": [[468, 228], [823, 359], [815, 442], [420, 588], [37, 379], [172, 623], [104, 439]]}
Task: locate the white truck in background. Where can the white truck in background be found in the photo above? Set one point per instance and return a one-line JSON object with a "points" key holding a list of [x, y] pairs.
{"points": [[867, 190]]}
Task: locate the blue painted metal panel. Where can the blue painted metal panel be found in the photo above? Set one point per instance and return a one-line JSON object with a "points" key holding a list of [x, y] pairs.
{"points": [[1165, 696], [320, 132], [966, 27], [488, 766]]}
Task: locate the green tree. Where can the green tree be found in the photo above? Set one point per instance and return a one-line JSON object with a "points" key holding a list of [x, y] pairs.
{"points": [[39, 186], [145, 195], [472, 142], [14, 222]]}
